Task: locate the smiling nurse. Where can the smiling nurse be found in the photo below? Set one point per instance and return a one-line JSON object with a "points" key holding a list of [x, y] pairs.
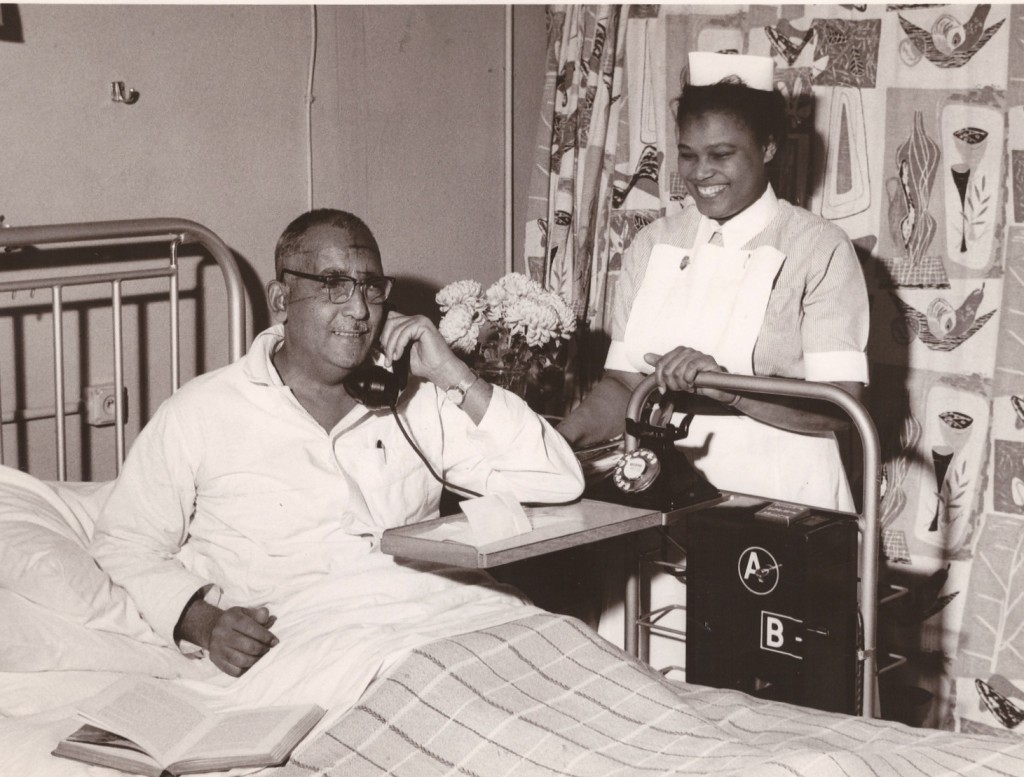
{"points": [[743, 282]]}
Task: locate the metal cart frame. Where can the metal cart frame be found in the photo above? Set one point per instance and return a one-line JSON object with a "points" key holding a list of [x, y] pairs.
{"points": [[868, 519]]}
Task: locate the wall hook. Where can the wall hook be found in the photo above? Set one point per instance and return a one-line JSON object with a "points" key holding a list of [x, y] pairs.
{"points": [[119, 94]]}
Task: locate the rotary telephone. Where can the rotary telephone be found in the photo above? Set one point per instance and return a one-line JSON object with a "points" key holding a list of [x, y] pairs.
{"points": [[651, 472], [378, 387]]}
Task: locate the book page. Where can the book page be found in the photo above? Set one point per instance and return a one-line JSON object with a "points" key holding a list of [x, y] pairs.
{"points": [[156, 716], [254, 732], [93, 745], [90, 735]]}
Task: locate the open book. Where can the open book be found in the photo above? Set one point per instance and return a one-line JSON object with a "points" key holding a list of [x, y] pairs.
{"points": [[154, 728]]}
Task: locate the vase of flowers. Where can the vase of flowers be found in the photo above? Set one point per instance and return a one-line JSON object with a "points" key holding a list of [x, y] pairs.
{"points": [[515, 379], [511, 334]]}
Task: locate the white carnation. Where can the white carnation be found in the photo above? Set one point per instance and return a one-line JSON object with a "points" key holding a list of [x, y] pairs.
{"points": [[505, 293], [459, 328], [543, 324], [517, 285], [460, 293], [566, 317], [513, 311]]}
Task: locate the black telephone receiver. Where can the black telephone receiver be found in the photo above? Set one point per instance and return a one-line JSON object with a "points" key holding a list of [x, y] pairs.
{"points": [[652, 473], [378, 387]]}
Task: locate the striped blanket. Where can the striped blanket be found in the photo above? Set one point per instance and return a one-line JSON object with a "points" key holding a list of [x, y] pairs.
{"points": [[545, 696]]}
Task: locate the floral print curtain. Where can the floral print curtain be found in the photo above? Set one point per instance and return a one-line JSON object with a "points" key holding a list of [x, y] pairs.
{"points": [[906, 130], [576, 149]]}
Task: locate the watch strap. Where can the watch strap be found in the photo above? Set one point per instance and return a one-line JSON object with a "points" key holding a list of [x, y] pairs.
{"points": [[457, 394]]}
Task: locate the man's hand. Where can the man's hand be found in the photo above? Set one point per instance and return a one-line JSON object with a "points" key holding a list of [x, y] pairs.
{"points": [[236, 638], [431, 357], [240, 637]]}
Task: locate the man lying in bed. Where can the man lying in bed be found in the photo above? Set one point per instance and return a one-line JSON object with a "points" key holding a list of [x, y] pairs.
{"points": [[247, 517]]}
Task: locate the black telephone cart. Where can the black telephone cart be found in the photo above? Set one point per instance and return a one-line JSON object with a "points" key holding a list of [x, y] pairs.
{"points": [[782, 599]]}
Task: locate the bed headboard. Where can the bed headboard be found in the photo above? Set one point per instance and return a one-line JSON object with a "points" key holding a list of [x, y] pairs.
{"points": [[114, 279]]}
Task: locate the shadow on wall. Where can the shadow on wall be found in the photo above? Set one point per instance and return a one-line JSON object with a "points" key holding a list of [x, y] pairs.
{"points": [[907, 625], [10, 24], [415, 296], [255, 290]]}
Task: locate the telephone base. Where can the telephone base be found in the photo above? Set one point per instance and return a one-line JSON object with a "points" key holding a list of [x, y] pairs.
{"points": [[676, 487]]}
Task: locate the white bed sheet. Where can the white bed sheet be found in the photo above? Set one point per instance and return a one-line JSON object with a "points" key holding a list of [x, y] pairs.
{"points": [[32, 693], [37, 710], [336, 634], [327, 655]]}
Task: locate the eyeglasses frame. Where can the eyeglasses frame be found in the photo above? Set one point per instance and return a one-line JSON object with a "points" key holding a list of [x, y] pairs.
{"points": [[326, 281]]}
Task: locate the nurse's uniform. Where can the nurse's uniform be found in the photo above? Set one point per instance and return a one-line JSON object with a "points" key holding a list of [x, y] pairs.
{"points": [[777, 291]]}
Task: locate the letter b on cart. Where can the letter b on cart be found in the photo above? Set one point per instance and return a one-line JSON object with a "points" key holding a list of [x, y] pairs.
{"points": [[781, 634]]}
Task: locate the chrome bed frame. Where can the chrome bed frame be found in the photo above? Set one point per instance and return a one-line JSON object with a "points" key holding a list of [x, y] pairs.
{"points": [[14, 241]]}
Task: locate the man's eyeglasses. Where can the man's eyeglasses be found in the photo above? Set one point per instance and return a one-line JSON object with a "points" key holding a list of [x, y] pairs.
{"points": [[341, 287]]}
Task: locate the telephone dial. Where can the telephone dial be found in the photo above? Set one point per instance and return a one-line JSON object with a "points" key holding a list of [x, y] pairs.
{"points": [[652, 472]]}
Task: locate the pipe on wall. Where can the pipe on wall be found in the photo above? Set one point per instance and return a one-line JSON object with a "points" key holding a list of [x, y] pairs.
{"points": [[508, 139]]}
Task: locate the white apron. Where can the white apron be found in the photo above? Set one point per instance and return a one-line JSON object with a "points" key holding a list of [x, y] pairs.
{"points": [[717, 305]]}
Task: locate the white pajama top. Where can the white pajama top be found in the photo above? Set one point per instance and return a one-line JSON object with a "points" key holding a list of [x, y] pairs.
{"points": [[233, 483]]}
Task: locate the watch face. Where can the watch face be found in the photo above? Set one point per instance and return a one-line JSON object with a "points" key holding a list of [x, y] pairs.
{"points": [[455, 395]]}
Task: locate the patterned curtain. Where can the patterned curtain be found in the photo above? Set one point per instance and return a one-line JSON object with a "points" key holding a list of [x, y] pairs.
{"points": [[565, 242], [907, 130]]}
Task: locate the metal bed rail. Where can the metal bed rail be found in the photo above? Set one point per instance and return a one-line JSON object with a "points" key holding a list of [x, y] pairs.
{"points": [[178, 232]]}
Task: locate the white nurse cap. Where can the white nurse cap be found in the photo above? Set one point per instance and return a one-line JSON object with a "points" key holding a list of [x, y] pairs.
{"points": [[708, 68]]}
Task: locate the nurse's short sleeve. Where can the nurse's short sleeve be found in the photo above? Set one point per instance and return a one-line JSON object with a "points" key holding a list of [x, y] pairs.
{"points": [[835, 323]]}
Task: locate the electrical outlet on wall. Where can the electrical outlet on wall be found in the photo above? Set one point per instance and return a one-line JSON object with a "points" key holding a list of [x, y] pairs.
{"points": [[99, 403]]}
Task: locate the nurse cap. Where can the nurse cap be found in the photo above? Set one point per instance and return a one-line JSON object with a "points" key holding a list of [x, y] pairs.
{"points": [[707, 68]]}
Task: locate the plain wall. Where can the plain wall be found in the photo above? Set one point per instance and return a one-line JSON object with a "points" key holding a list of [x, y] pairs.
{"points": [[214, 137], [406, 129], [412, 137], [529, 59]]}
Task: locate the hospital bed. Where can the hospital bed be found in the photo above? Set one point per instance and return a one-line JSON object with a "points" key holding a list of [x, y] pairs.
{"points": [[536, 695]]}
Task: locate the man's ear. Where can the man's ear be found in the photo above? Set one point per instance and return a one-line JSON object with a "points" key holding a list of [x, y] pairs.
{"points": [[769, 150], [277, 298]]}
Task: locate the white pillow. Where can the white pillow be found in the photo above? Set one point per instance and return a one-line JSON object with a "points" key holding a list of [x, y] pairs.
{"points": [[34, 639], [44, 557], [26, 498], [84, 500]]}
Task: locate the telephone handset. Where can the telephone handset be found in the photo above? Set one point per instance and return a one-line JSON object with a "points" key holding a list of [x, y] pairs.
{"points": [[651, 472], [378, 387]]}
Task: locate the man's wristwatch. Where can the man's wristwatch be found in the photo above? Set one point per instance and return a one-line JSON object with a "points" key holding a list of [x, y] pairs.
{"points": [[457, 394]]}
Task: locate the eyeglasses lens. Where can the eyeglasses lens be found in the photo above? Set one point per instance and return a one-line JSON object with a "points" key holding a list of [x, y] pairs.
{"points": [[375, 291]]}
